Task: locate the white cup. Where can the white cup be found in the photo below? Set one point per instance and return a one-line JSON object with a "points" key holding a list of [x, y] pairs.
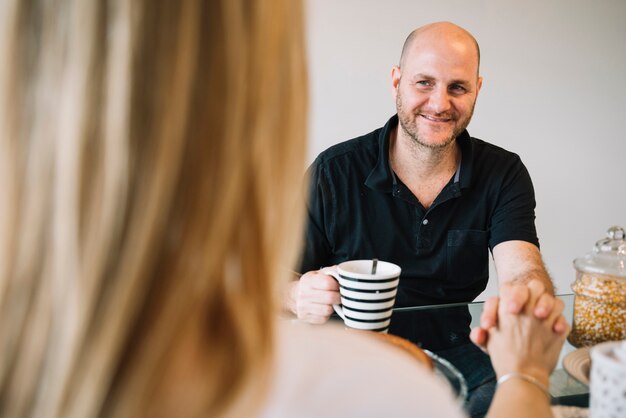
{"points": [[608, 381], [366, 299]]}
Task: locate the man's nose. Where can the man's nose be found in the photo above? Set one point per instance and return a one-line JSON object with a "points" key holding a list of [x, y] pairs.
{"points": [[439, 100]]}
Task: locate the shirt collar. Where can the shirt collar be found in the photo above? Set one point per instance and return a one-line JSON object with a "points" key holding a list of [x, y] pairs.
{"points": [[467, 159], [381, 177]]}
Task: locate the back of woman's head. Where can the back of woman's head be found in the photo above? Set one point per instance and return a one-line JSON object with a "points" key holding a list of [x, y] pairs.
{"points": [[151, 154]]}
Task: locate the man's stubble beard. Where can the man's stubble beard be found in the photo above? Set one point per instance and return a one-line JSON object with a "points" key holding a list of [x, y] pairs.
{"points": [[410, 126]]}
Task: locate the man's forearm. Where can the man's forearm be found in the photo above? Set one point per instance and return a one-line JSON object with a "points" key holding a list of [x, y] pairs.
{"points": [[536, 273], [521, 262]]}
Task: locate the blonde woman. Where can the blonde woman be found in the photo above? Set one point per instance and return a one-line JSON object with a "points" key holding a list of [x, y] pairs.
{"points": [[151, 153]]}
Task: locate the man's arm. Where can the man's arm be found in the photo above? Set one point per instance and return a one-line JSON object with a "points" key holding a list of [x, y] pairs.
{"points": [[311, 296], [520, 262]]}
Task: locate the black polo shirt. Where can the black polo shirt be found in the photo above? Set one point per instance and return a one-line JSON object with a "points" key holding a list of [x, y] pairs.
{"points": [[358, 209]]}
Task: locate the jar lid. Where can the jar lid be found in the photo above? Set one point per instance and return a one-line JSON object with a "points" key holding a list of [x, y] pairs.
{"points": [[608, 255]]}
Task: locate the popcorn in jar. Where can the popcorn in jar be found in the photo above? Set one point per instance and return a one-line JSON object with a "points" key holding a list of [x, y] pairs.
{"points": [[600, 292]]}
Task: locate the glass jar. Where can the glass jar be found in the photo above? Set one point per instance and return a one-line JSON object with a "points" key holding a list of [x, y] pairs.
{"points": [[600, 292]]}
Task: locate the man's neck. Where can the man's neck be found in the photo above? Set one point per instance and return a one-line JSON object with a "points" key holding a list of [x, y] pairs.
{"points": [[412, 161]]}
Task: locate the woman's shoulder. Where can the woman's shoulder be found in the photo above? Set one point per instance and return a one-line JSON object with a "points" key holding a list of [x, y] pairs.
{"points": [[328, 371]]}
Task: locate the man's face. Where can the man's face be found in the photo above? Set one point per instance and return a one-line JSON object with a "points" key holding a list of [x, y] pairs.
{"points": [[436, 90]]}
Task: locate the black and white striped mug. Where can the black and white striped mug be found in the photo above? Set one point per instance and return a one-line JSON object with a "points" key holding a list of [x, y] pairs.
{"points": [[366, 299]]}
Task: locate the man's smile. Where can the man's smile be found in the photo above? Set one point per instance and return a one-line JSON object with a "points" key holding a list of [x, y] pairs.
{"points": [[436, 118]]}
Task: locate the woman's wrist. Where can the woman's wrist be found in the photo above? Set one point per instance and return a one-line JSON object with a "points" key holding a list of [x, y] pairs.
{"points": [[540, 383], [540, 374]]}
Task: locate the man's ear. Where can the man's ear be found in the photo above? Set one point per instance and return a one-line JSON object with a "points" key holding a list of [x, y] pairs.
{"points": [[396, 74], [479, 84]]}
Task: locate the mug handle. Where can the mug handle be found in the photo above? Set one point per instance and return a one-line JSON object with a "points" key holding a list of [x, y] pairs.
{"points": [[332, 271]]}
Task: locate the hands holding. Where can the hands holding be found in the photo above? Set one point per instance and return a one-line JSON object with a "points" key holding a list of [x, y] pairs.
{"points": [[523, 330], [312, 297], [517, 301]]}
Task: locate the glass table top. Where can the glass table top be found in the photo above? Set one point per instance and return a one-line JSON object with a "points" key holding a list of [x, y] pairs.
{"points": [[565, 389]]}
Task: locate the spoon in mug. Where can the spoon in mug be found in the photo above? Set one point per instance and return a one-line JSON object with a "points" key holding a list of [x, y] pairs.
{"points": [[374, 264]]}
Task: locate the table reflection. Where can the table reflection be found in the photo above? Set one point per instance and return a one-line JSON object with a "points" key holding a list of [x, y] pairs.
{"points": [[430, 327]]}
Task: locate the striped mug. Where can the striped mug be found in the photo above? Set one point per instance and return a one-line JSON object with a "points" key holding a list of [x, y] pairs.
{"points": [[366, 299]]}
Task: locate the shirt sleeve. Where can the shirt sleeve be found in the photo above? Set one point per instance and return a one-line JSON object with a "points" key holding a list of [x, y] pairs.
{"points": [[514, 214], [320, 214]]}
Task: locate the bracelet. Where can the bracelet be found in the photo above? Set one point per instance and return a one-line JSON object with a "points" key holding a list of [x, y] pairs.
{"points": [[527, 378]]}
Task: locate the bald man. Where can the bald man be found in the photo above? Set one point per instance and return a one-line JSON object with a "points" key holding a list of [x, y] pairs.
{"points": [[422, 193]]}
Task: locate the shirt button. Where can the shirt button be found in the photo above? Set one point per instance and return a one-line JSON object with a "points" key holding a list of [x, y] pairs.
{"points": [[425, 222]]}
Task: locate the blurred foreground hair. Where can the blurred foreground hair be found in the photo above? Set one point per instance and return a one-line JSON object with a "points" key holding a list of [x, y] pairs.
{"points": [[151, 156]]}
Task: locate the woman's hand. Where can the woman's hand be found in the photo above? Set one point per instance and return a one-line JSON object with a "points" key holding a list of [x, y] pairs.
{"points": [[521, 342], [489, 317]]}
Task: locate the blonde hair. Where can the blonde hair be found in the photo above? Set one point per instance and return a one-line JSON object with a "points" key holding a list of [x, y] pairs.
{"points": [[151, 155]]}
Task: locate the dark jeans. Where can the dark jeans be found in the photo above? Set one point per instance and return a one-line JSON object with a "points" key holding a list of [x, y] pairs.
{"points": [[475, 366]]}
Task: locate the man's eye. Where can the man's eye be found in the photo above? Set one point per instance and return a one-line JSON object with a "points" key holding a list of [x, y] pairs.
{"points": [[457, 88]]}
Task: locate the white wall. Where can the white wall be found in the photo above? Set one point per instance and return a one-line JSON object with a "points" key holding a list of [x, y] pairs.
{"points": [[554, 92]]}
